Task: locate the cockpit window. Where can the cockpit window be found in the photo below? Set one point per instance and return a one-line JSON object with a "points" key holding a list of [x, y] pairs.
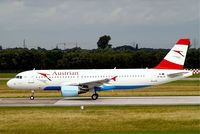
{"points": [[18, 77]]}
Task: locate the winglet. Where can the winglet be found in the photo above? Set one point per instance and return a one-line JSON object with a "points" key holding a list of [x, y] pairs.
{"points": [[114, 78]]}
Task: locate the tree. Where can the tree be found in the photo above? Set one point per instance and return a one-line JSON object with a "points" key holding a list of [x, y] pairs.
{"points": [[103, 42], [1, 48], [136, 47]]}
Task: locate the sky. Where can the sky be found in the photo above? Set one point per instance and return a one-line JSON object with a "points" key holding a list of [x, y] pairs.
{"points": [[47, 23]]}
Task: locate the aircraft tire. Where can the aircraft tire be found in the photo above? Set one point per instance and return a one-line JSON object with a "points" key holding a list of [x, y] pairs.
{"points": [[94, 96], [32, 98]]}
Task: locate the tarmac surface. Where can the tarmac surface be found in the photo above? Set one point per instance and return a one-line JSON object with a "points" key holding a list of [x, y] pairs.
{"points": [[102, 101]]}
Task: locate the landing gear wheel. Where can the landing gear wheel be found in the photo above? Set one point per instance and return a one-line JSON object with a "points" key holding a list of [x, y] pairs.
{"points": [[32, 97], [95, 96]]}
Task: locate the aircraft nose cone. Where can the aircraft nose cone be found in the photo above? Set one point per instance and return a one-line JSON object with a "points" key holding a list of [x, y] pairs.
{"points": [[10, 84]]}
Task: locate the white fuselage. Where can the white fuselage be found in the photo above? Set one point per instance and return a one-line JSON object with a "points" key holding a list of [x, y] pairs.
{"points": [[124, 78]]}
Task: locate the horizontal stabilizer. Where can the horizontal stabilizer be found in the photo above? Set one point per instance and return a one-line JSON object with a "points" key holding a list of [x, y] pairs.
{"points": [[173, 75]]}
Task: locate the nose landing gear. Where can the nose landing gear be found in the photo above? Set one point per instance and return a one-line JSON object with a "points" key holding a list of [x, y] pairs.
{"points": [[32, 96]]}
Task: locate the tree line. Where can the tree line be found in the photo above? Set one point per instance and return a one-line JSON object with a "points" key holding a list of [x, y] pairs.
{"points": [[18, 59]]}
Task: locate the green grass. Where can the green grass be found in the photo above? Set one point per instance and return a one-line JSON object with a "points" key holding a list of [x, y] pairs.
{"points": [[195, 76], [7, 75], [177, 88], [100, 119]]}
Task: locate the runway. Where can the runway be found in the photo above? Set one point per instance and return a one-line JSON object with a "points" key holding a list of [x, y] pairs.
{"points": [[102, 101]]}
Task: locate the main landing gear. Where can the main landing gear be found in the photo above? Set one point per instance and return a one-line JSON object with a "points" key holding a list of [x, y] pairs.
{"points": [[95, 96], [32, 96]]}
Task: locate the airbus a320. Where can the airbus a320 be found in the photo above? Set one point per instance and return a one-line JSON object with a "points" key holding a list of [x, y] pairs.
{"points": [[75, 82]]}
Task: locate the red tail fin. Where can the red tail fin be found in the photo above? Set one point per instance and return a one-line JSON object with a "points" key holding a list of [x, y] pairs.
{"points": [[176, 57]]}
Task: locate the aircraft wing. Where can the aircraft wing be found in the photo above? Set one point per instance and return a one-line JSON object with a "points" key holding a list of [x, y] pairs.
{"points": [[97, 83]]}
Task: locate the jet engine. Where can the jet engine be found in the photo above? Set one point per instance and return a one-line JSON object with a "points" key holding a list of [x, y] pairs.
{"points": [[67, 91]]}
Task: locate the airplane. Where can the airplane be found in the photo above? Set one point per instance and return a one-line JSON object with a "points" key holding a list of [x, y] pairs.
{"points": [[75, 82]]}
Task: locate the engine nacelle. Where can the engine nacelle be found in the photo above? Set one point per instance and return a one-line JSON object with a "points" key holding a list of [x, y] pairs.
{"points": [[68, 91]]}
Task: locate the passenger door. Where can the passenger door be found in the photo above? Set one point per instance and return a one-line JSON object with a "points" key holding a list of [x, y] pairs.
{"points": [[31, 79]]}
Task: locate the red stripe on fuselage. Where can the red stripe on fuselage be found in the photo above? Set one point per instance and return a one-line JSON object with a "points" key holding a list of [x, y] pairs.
{"points": [[165, 64]]}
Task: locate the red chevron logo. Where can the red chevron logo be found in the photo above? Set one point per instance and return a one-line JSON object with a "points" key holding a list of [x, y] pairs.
{"points": [[45, 75], [179, 52]]}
